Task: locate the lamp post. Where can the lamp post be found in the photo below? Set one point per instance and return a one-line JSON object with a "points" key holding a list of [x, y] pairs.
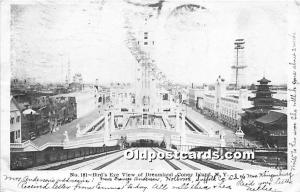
{"points": [[186, 109], [180, 143], [240, 134]]}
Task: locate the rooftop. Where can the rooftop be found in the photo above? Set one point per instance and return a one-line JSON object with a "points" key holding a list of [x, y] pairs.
{"points": [[264, 81], [271, 118]]}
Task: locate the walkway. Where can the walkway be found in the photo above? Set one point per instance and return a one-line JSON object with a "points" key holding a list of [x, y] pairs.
{"points": [[230, 138]]}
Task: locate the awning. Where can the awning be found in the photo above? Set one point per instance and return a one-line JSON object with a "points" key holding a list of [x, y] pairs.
{"points": [[270, 118], [29, 111]]}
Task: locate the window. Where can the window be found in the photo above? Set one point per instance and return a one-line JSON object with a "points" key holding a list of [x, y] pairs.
{"points": [[18, 119], [16, 134], [12, 119], [145, 43]]}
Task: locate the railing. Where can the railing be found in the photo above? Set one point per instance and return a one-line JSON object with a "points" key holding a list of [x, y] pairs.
{"points": [[165, 122], [149, 127], [17, 145], [92, 133], [83, 143], [22, 145], [50, 144], [151, 136], [98, 141], [195, 125], [28, 146], [57, 158], [90, 126]]}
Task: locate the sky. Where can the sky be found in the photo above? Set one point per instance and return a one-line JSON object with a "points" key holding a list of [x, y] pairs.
{"points": [[192, 45]]}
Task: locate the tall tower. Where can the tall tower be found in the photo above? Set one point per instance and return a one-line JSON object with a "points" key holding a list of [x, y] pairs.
{"points": [[239, 66], [145, 78], [220, 89], [68, 75]]}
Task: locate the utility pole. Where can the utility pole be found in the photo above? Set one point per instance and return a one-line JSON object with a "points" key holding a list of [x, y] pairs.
{"points": [[68, 72], [62, 71]]}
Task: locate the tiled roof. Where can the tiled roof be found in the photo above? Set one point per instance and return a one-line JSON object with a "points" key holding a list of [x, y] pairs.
{"points": [[271, 117]]}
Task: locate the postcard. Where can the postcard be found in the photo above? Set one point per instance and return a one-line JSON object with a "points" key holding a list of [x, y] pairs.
{"points": [[149, 95]]}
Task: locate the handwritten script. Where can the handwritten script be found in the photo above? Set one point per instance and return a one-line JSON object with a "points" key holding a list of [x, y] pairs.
{"points": [[148, 181]]}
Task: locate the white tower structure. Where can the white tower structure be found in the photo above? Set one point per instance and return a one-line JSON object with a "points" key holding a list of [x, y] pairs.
{"points": [[220, 89], [146, 83]]}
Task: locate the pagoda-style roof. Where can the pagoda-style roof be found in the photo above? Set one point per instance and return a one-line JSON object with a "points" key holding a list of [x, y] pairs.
{"points": [[271, 118], [263, 85], [261, 98], [263, 91], [264, 81], [256, 110], [259, 110]]}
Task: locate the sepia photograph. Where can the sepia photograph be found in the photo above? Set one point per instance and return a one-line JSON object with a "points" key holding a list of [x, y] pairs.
{"points": [[149, 85]]}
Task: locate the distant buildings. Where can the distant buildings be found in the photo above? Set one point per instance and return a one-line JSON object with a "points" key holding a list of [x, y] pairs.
{"points": [[15, 122], [223, 105], [195, 97], [122, 94], [61, 110], [235, 109], [34, 114], [77, 84], [33, 124]]}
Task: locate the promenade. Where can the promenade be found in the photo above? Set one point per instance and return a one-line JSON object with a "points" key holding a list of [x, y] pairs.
{"points": [[212, 125]]}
